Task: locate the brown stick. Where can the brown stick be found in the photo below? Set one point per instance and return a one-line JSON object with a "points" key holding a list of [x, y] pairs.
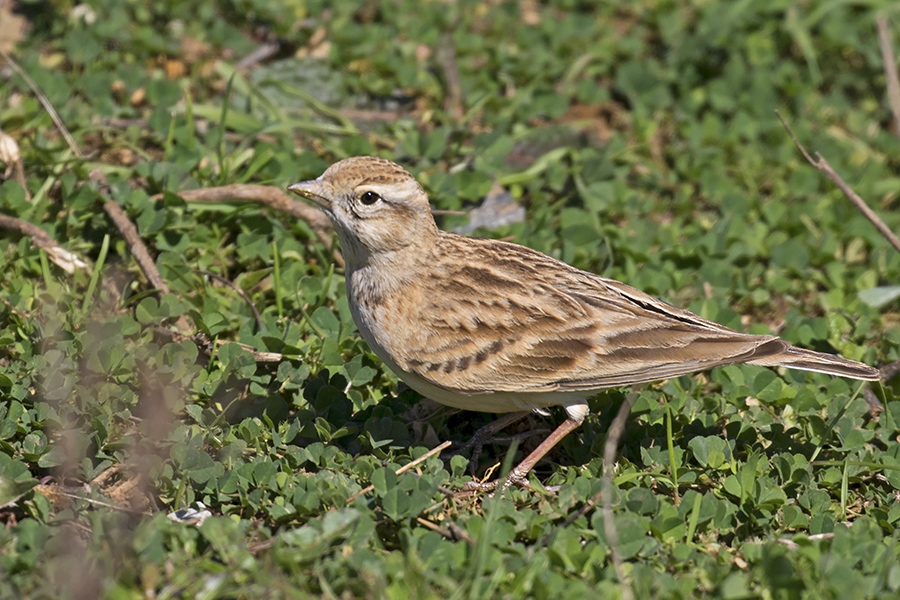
{"points": [[365, 116], [135, 244], [273, 198], [404, 468], [446, 55], [890, 69], [452, 533], [18, 175], [131, 235], [263, 52], [40, 237], [890, 370], [610, 448], [100, 503], [821, 164], [258, 356], [792, 545], [239, 292], [65, 259], [46, 103]]}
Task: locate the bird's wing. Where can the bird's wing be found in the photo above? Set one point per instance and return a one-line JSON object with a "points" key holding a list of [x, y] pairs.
{"points": [[504, 318]]}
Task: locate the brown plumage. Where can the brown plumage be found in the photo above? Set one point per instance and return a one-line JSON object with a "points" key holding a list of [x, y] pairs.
{"points": [[491, 326]]}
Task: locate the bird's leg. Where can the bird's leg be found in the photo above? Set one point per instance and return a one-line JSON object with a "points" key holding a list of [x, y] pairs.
{"points": [[517, 476], [486, 433]]}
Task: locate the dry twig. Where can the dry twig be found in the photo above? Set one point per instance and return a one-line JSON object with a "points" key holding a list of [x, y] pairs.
{"points": [[97, 502], [890, 69], [404, 468], [130, 233], [446, 56], [46, 103], [258, 356], [262, 53], [821, 164], [135, 244], [273, 198], [63, 258], [452, 532], [239, 292], [614, 436], [792, 545], [367, 116], [890, 370]]}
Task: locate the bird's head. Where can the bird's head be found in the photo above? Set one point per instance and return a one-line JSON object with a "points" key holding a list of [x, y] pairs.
{"points": [[376, 206]]}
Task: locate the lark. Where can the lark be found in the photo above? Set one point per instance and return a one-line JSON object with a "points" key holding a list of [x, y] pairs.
{"points": [[491, 326]]}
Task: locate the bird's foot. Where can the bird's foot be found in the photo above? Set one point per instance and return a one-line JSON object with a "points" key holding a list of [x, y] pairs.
{"points": [[515, 477], [483, 435]]}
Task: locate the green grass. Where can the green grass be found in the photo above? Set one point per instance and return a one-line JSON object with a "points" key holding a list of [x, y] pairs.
{"points": [[642, 141]]}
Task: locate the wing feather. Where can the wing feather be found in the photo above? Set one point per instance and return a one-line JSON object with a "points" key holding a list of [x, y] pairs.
{"points": [[488, 327]]}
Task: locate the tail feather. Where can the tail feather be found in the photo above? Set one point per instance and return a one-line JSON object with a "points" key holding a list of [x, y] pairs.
{"points": [[808, 360]]}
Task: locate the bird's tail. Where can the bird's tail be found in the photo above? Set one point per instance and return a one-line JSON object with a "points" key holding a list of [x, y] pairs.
{"points": [[808, 360]]}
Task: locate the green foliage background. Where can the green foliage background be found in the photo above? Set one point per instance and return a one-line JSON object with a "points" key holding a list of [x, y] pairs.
{"points": [[642, 140]]}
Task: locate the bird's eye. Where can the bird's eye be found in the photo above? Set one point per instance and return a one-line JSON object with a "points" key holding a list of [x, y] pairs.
{"points": [[369, 198]]}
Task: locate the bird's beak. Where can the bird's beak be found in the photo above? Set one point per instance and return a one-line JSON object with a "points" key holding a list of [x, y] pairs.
{"points": [[313, 190]]}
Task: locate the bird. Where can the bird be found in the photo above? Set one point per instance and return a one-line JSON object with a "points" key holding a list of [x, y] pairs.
{"points": [[492, 326]]}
